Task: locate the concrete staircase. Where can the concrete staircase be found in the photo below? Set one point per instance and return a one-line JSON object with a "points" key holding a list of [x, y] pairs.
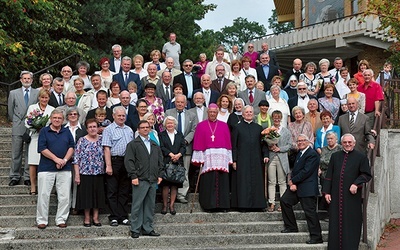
{"points": [[185, 230]]}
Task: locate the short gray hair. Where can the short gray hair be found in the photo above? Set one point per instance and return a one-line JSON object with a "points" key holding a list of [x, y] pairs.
{"points": [[324, 60], [171, 118], [26, 72]]}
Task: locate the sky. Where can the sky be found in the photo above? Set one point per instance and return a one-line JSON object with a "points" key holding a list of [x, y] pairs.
{"points": [[228, 10]]}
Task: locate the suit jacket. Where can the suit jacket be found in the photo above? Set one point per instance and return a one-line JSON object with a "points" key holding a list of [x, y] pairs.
{"points": [[109, 116], [213, 96], [53, 101], [273, 71], [361, 130], [112, 66], [120, 78], [217, 87], [167, 147], [17, 109], [160, 93], [205, 115], [189, 126], [182, 80], [305, 173], [132, 119], [141, 164], [258, 96]]}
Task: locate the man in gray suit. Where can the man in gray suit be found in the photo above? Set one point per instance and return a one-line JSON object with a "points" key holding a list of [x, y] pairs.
{"points": [[200, 110], [361, 129], [187, 122], [164, 88], [252, 96], [144, 164], [18, 103]]}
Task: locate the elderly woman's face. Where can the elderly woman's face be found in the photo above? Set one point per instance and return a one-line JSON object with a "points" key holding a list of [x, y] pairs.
{"points": [[328, 92], [138, 63], [115, 89], [203, 58], [170, 125], [236, 67], [331, 139], [46, 81], [156, 57], [105, 65], [78, 85], [238, 105], [73, 116], [82, 70], [276, 118], [44, 99], [231, 91], [298, 115], [326, 120], [323, 67], [310, 70], [275, 92]]}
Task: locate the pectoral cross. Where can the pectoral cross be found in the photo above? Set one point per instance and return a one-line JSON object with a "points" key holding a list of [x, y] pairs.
{"points": [[212, 137]]}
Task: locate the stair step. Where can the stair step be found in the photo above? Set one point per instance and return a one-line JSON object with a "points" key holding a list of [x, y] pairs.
{"points": [[144, 242]]}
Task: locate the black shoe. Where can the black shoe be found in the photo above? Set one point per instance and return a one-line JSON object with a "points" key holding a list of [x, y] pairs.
{"points": [[114, 223], [87, 224], [13, 183], [135, 235], [152, 233], [164, 210], [125, 222], [27, 182], [315, 241], [287, 230]]}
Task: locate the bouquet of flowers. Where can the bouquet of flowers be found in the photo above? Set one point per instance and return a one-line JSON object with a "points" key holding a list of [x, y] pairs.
{"points": [[271, 136], [37, 120]]}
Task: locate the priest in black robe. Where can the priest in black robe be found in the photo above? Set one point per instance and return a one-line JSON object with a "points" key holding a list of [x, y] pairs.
{"points": [[347, 171], [249, 155]]}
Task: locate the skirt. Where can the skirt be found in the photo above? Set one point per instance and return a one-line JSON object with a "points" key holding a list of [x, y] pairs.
{"points": [[91, 192]]}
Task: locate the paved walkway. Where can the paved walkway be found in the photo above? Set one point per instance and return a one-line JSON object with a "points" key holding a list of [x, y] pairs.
{"points": [[390, 240]]}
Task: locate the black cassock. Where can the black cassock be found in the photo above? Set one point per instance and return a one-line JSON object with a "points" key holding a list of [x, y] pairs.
{"points": [[345, 210], [248, 152]]}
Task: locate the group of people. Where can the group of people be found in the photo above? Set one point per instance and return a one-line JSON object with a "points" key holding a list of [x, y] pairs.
{"points": [[121, 126]]}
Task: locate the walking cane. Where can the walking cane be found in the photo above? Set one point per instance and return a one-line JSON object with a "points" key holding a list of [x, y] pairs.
{"points": [[197, 185]]}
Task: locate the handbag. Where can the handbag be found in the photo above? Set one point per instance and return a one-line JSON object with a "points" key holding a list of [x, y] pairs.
{"points": [[26, 137], [174, 172]]}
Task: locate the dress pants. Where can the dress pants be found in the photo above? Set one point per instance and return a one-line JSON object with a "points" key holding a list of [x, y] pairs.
{"points": [[143, 204], [45, 185], [182, 192], [309, 205], [16, 155], [118, 190]]}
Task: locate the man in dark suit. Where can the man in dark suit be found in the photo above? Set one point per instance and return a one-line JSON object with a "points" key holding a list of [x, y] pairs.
{"points": [[303, 183], [18, 102], [186, 125], [57, 96], [296, 70], [115, 61], [101, 97], [164, 88], [125, 76], [144, 165], [272, 55], [265, 71], [301, 99], [132, 117], [189, 81], [252, 96], [220, 83], [210, 96], [360, 129]]}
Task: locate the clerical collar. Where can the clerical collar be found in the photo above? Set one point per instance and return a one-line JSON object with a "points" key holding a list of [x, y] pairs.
{"points": [[347, 151], [248, 122]]}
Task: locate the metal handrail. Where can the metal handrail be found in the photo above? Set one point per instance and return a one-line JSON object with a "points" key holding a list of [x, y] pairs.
{"points": [[11, 86]]}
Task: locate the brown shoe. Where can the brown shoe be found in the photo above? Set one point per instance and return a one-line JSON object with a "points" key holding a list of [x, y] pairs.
{"points": [[62, 225], [42, 226]]}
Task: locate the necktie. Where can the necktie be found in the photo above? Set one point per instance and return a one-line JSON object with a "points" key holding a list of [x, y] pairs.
{"points": [[126, 78], [170, 70], [251, 97], [352, 121], [26, 96], [60, 102], [167, 92], [207, 97], [337, 75], [221, 84], [180, 121]]}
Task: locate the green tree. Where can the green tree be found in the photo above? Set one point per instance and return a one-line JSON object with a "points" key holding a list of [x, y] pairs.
{"points": [[279, 27], [36, 33], [141, 26], [388, 13], [241, 32]]}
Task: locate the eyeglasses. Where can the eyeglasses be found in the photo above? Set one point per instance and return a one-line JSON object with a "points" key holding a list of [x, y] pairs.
{"points": [[302, 88], [142, 106], [250, 47], [72, 114], [187, 65]]}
